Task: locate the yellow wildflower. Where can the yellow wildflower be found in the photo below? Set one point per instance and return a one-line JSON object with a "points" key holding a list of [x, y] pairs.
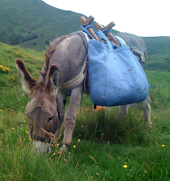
{"points": [[78, 140], [125, 166], [4, 68], [13, 128], [18, 53], [163, 145], [74, 146], [26, 132]]}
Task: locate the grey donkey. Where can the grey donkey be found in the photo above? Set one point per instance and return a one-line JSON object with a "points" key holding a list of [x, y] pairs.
{"points": [[63, 75]]}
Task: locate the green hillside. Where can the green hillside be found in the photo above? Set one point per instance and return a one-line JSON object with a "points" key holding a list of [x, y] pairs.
{"points": [[33, 23], [158, 53], [157, 45]]}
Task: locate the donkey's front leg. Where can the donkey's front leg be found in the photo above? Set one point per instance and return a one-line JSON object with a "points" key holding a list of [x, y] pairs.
{"points": [[70, 116], [61, 98]]}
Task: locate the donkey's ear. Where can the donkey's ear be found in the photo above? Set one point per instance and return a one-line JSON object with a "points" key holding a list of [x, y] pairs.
{"points": [[26, 79], [54, 80]]}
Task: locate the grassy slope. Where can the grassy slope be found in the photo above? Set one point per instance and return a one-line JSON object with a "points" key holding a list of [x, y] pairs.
{"points": [[34, 17], [158, 52], [138, 148]]}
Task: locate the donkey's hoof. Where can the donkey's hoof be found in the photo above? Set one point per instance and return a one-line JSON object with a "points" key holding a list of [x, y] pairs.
{"points": [[148, 124], [64, 148]]}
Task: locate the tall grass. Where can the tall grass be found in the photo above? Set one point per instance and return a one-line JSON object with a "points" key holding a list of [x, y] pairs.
{"points": [[103, 147], [103, 127]]}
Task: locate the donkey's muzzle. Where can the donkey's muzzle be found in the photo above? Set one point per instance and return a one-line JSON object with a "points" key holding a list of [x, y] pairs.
{"points": [[41, 147]]}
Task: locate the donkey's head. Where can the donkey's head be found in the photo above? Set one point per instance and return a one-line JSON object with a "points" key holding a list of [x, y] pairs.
{"points": [[42, 110]]}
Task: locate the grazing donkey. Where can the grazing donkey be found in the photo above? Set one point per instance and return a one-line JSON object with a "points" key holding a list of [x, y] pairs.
{"points": [[63, 75]]}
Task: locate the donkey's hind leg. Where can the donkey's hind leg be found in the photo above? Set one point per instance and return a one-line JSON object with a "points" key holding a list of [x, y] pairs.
{"points": [[70, 116], [147, 111], [123, 110]]}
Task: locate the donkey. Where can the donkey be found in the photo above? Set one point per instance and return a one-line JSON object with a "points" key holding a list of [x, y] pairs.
{"points": [[62, 75]]}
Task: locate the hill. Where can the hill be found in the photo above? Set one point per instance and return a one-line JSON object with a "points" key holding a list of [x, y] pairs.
{"points": [[157, 45], [33, 23], [158, 53]]}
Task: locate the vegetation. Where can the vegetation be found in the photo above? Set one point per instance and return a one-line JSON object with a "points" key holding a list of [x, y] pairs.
{"points": [[158, 53], [32, 23], [103, 147]]}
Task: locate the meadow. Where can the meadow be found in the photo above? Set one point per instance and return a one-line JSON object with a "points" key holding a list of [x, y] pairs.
{"points": [[103, 147]]}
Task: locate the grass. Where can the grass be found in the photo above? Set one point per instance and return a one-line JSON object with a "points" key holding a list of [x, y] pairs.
{"points": [[28, 23], [103, 147]]}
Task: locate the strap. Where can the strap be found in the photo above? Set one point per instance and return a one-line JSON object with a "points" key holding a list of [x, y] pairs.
{"points": [[38, 138], [103, 36], [106, 31], [77, 80], [85, 29], [87, 38]]}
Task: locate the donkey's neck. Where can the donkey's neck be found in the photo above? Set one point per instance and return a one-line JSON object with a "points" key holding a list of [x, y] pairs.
{"points": [[69, 56]]}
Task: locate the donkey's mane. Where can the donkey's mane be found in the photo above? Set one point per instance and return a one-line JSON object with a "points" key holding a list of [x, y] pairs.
{"points": [[49, 52], [42, 83]]}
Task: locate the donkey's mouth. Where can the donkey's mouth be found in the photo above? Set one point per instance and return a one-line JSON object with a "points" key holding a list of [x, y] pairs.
{"points": [[41, 147]]}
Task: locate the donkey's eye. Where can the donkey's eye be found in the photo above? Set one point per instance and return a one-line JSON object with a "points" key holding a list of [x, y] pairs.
{"points": [[49, 119]]}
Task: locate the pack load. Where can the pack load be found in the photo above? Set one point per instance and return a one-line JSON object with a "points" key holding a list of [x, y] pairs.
{"points": [[115, 76]]}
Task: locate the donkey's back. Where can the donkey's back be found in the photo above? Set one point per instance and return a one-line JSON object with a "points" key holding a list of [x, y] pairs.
{"points": [[133, 41]]}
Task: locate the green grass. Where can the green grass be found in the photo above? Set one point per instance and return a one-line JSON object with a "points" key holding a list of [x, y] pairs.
{"points": [[106, 146]]}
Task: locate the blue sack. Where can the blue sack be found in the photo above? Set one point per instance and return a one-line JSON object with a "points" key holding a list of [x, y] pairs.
{"points": [[115, 76]]}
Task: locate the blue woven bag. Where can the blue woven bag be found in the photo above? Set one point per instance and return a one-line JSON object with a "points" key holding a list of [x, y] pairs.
{"points": [[115, 76]]}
